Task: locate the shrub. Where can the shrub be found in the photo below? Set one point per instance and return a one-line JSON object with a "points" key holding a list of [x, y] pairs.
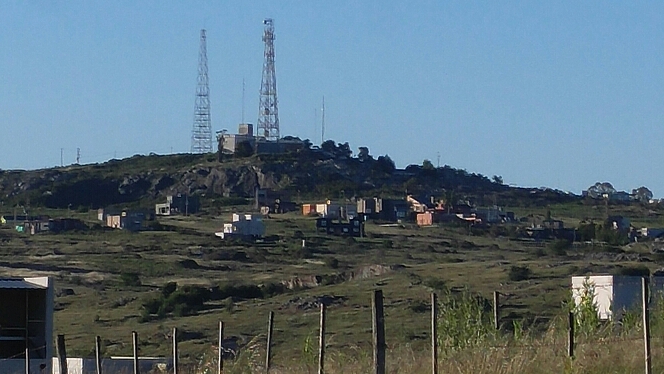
{"points": [[168, 289], [638, 271], [332, 262], [519, 273], [558, 247], [419, 306], [435, 283], [130, 279], [464, 321]]}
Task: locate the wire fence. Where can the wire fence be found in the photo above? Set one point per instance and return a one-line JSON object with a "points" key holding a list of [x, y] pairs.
{"points": [[565, 343]]}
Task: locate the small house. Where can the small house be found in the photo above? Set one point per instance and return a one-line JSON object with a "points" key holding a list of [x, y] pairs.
{"points": [[425, 219], [394, 210], [26, 323], [613, 294], [352, 227], [243, 226], [178, 204]]}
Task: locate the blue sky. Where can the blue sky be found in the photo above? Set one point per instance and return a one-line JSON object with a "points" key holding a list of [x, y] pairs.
{"points": [[559, 94]]}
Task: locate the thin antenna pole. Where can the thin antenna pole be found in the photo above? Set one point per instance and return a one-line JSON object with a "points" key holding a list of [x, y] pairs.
{"points": [[78, 156], [315, 123], [242, 100], [322, 135], [62, 162]]}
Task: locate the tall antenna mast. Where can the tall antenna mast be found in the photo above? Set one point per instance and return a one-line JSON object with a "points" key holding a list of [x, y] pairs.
{"points": [[201, 134], [322, 134], [268, 114], [242, 100]]}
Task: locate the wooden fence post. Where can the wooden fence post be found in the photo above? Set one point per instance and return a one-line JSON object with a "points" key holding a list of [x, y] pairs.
{"points": [[62, 354], [134, 338], [378, 332], [98, 353], [268, 352], [175, 350], [220, 358], [570, 335], [321, 340], [646, 324], [434, 333], [27, 360], [496, 310]]}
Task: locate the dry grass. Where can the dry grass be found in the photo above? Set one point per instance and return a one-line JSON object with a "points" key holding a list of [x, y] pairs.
{"points": [[547, 354]]}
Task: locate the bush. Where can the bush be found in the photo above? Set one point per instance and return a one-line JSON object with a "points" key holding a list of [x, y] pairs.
{"points": [[332, 262], [130, 279], [419, 306], [638, 271], [519, 273], [558, 247], [168, 289], [435, 283], [464, 321]]}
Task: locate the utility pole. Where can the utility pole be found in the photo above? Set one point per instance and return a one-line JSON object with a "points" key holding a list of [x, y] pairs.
{"points": [[62, 161]]}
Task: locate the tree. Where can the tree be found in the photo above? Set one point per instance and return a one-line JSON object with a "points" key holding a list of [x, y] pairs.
{"points": [[329, 146], [598, 189], [384, 164], [497, 179], [343, 150], [363, 154], [427, 165], [642, 194]]}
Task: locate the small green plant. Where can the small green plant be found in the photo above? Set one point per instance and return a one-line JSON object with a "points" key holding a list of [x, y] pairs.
{"points": [[309, 351], [464, 321], [584, 307]]}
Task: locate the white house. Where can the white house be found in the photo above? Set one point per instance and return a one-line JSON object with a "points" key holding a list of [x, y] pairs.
{"points": [[243, 225], [614, 294]]}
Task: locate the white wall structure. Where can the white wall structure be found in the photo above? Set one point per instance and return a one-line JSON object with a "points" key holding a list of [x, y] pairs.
{"points": [[26, 322], [614, 294], [243, 225], [114, 365]]}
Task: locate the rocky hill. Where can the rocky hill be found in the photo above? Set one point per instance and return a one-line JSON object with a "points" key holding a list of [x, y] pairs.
{"points": [[321, 173]]}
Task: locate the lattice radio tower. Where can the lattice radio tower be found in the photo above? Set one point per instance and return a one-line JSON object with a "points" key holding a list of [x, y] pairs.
{"points": [[268, 114], [201, 134]]}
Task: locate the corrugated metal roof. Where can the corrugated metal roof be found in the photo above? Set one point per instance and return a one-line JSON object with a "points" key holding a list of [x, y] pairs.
{"points": [[18, 283]]}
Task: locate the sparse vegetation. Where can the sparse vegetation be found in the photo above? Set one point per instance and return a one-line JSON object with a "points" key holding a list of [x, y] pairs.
{"points": [[179, 274]]}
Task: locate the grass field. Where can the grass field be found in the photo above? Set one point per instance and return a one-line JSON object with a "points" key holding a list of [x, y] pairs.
{"points": [[406, 262]]}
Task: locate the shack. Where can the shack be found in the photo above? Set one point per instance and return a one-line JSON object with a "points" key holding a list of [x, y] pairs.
{"points": [[26, 323]]}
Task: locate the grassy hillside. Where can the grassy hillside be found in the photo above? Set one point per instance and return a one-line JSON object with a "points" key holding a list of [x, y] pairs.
{"points": [[114, 273]]}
